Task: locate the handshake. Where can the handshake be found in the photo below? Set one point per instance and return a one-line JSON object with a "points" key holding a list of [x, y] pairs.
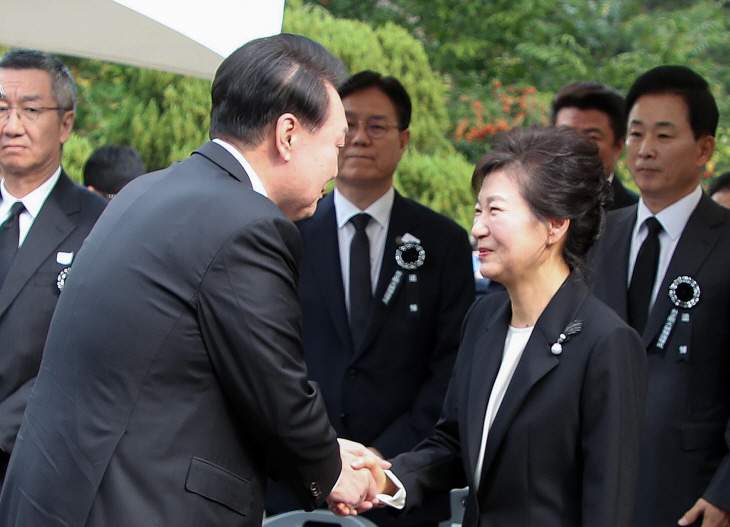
{"points": [[361, 480]]}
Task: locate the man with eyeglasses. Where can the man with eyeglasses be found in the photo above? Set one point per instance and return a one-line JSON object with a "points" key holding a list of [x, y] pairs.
{"points": [[381, 332], [45, 218]]}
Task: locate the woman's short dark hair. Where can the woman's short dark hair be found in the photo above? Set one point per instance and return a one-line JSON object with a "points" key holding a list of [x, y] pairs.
{"points": [[560, 175], [268, 77]]}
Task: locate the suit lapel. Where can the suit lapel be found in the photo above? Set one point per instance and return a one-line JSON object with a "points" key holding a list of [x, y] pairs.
{"points": [[487, 360], [615, 257], [323, 241], [537, 359], [698, 239], [401, 222], [49, 229]]}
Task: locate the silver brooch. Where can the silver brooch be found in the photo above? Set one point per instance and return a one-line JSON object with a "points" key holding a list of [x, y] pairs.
{"points": [[61, 279], [684, 292], [410, 256], [571, 329]]}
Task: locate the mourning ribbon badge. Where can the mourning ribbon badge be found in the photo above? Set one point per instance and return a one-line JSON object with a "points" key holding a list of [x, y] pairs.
{"points": [[684, 292], [409, 255]]}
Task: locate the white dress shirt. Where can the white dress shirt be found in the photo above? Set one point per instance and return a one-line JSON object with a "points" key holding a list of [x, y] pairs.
{"points": [[33, 203], [250, 172], [673, 220], [514, 345], [376, 230]]}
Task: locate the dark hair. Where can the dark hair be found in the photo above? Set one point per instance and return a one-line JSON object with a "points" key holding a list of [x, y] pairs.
{"points": [[560, 175], [721, 182], [682, 81], [590, 95], [390, 86], [268, 77], [111, 167], [63, 87]]}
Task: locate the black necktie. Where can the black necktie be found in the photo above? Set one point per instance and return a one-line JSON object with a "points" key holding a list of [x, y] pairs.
{"points": [[360, 287], [642, 280], [9, 236]]}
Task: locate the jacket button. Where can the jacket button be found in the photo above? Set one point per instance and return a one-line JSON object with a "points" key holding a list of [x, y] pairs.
{"points": [[315, 490]]}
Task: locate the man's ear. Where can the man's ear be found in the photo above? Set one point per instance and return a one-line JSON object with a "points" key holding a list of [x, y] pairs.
{"points": [[66, 125], [404, 136], [706, 145], [287, 127]]}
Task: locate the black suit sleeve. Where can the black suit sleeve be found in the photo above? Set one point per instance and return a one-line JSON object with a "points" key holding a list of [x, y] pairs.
{"points": [[250, 319], [456, 293], [11, 413], [718, 493], [614, 391]]}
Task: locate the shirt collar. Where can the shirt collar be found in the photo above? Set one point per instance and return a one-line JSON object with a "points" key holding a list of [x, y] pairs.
{"points": [[256, 183], [33, 201], [674, 217], [379, 209]]}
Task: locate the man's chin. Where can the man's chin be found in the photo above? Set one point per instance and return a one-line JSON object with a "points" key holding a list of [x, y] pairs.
{"points": [[301, 213]]}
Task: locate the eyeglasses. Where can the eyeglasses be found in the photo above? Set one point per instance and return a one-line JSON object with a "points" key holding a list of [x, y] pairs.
{"points": [[375, 127], [28, 114]]}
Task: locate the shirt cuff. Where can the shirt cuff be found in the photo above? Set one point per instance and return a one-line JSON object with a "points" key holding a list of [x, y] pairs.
{"points": [[398, 500]]}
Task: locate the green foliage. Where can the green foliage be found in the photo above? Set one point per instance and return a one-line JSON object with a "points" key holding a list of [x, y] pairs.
{"points": [[164, 116], [549, 43], [75, 153], [441, 181]]}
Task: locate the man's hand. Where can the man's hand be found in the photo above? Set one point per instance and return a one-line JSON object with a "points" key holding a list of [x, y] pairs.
{"points": [[712, 516], [362, 477]]}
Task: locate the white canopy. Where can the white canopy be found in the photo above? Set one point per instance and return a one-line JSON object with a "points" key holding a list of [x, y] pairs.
{"points": [[179, 36]]}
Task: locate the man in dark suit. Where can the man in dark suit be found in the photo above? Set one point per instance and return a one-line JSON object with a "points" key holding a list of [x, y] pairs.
{"points": [[383, 370], [598, 111], [663, 266], [40, 240], [173, 379]]}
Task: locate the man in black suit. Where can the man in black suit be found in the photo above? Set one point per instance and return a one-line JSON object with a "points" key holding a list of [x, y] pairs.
{"points": [[382, 361], [663, 266], [173, 379], [54, 215], [598, 111]]}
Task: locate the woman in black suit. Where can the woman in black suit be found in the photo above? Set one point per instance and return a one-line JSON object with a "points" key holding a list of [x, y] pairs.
{"points": [[544, 409]]}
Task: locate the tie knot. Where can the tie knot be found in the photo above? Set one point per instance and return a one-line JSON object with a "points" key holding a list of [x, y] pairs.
{"points": [[653, 225], [360, 221], [16, 209]]}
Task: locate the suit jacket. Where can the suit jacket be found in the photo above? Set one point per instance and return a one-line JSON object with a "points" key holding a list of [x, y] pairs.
{"points": [[173, 378], [563, 447], [387, 392], [684, 452], [622, 197], [29, 294]]}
